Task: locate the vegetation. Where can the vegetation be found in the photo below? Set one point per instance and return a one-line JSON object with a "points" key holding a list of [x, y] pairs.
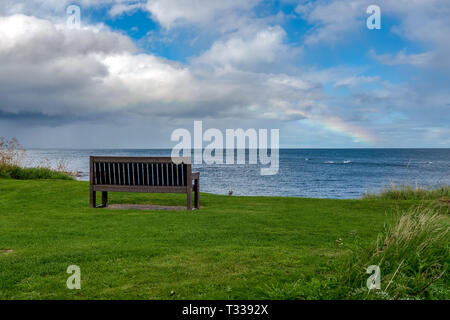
{"points": [[233, 248], [16, 172], [11, 156], [11, 152], [413, 254], [411, 193]]}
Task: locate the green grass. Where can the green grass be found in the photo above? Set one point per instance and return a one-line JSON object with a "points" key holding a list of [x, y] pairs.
{"points": [[16, 172], [413, 253], [233, 248], [411, 193]]}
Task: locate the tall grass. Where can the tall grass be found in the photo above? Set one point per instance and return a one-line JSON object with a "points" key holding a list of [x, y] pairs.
{"points": [[11, 157], [413, 255], [11, 152], [16, 172], [410, 193]]}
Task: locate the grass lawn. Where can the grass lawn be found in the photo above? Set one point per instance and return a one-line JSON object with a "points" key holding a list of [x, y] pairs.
{"points": [[233, 248]]}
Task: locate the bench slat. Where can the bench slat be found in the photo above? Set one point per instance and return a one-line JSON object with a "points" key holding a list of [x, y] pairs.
{"points": [[127, 173], [161, 174], [116, 173], [97, 172]]}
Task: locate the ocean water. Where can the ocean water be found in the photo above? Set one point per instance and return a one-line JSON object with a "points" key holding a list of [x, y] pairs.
{"points": [[318, 173]]}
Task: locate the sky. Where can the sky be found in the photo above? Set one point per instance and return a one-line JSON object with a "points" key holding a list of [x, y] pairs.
{"points": [[134, 71]]}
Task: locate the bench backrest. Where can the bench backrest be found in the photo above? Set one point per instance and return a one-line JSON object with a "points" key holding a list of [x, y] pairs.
{"points": [[140, 171]]}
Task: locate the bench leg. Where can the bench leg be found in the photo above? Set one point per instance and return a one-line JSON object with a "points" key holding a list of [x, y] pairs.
{"points": [[92, 198], [197, 193], [189, 199], [104, 198]]}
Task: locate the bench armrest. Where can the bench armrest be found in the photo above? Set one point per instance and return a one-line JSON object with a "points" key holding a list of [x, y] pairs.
{"points": [[195, 175]]}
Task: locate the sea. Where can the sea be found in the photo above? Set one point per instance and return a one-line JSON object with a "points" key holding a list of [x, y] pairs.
{"points": [[316, 173]]}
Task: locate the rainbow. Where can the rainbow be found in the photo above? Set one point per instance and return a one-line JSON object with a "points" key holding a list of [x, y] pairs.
{"points": [[338, 125], [358, 133]]}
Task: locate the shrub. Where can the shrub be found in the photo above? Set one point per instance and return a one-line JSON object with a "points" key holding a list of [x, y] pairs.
{"points": [[16, 172], [411, 193], [11, 152], [11, 155], [412, 253]]}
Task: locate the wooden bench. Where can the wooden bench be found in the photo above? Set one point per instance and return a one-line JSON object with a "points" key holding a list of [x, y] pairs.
{"points": [[143, 174]]}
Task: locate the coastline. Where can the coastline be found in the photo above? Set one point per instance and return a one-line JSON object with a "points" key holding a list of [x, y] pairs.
{"points": [[315, 173]]}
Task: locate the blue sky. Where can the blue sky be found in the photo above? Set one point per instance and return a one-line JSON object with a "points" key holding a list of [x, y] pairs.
{"points": [[136, 70], [138, 23]]}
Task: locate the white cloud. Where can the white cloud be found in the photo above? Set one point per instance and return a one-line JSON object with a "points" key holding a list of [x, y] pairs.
{"points": [[52, 71], [77, 72], [247, 51], [204, 13], [47, 8], [418, 59], [27, 36], [127, 7], [332, 19], [49, 69], [354, 81]]}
